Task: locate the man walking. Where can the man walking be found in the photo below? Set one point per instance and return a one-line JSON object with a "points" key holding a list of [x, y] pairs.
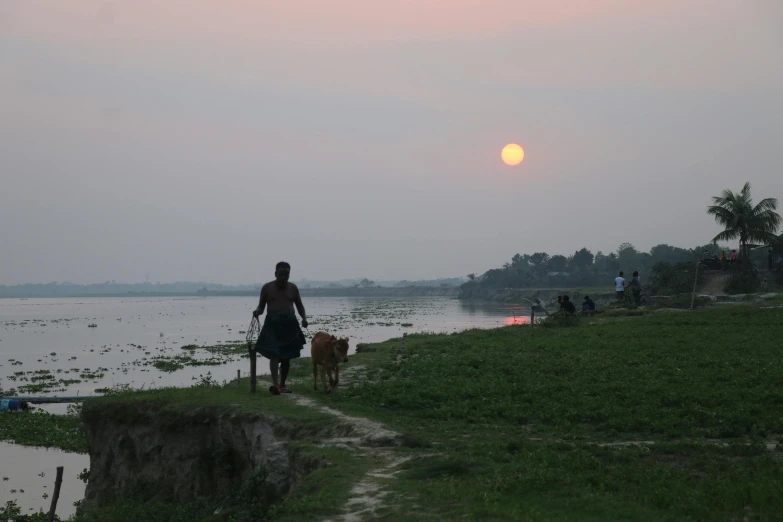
{"points": [[280, 339]]}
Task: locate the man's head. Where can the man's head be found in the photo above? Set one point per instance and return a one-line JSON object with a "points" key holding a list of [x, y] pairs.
{"points": [[282, 272], [621, 273], [587, 298], [635, 273], [566, 298]]}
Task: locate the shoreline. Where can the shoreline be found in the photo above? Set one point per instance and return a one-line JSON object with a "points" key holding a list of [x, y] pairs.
{"points": [[407, 291], [398, 415]]}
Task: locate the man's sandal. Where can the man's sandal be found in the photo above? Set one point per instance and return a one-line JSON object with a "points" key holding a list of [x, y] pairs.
{"points": [[283, 389]]}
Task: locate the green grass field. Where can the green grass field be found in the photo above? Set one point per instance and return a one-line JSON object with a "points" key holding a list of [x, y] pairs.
{"points": [[668, 416], [516, 421]]}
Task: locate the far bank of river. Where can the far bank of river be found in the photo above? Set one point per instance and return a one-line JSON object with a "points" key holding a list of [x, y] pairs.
{"points": [[375, 291]]}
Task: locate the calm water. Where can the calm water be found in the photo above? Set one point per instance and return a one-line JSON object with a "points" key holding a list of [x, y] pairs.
{"points": [[53, 334]]}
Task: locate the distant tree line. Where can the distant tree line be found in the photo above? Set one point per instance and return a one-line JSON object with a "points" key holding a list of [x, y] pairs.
{"points": [[755, 225], [58, 289], [583, 268]]}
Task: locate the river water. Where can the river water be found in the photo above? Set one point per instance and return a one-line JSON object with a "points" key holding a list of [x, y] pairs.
{"points": [[53, 334]]}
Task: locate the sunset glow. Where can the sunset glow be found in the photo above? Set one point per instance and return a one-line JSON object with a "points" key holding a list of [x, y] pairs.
{"points": [[512, 154]]}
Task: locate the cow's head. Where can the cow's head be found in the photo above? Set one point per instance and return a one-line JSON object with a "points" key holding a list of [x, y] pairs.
{"points": [[340, 349]]}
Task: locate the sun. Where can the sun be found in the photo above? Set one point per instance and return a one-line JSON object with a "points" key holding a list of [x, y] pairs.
{"points": [[512, 154]]}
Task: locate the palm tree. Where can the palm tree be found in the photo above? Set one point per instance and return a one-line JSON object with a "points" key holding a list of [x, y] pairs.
{"points": [[740, 219]]}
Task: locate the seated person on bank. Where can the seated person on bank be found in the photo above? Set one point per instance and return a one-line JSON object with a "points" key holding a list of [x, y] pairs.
{"points": [[588, 304], [567, 305]]}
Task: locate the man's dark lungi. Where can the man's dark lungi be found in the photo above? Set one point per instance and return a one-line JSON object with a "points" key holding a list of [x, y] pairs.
{"points": [[280, 337]]}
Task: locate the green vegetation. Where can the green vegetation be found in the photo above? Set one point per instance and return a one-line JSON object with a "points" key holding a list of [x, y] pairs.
{"points": [[41, 381], [664, 374], [669, 416], [744, 221], [11, 512], [673, 279], [582, 269], [38, 428], [742, 280], [735, 212], [665, 416], [168, 406]]}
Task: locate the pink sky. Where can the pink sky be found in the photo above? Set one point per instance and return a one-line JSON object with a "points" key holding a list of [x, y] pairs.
{"points": [[168, 121]]}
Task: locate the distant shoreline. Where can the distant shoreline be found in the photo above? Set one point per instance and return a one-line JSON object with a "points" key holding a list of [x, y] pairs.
{"points": [[406, 291]]}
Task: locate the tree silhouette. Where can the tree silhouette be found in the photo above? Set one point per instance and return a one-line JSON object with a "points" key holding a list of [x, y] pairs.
{"points": [[742, 220]]}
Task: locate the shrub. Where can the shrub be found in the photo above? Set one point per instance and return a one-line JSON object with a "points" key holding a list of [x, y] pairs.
{"points": [[742, 280], [673, 279], [560, 319]]}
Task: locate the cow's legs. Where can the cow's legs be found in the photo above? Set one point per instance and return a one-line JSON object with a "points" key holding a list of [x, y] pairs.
{"points": [[332, 383], [323, 379], [336, 375]]}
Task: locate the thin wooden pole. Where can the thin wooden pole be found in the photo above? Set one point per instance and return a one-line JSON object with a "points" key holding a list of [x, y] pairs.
{"points": [[695, 278], [239, 376], [57, 483], [532, 316]]}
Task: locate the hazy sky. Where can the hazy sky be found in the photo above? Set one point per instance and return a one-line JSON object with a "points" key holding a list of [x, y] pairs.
{"points": [[206, 140]]}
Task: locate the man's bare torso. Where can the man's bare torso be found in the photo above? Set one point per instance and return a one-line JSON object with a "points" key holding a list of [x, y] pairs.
{"points": [[280, 301]]}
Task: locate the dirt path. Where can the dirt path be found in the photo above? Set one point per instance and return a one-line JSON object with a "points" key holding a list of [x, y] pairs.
{"points": [[373, 440]]}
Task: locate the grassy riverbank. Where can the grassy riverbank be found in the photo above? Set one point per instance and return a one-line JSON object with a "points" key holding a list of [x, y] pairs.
{"points": [[673, 416], [669, 416]]}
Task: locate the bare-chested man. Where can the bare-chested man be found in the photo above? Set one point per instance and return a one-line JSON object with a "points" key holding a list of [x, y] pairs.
{"points": [[280, 339]]}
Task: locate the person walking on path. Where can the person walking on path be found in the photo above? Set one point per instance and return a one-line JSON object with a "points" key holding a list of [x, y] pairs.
{"points": [[280, 339]]}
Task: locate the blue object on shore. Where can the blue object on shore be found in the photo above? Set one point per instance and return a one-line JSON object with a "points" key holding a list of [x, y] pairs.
{"points": [[9, 405], [50, 400]]}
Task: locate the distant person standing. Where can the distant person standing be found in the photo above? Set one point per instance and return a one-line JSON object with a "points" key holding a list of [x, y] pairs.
{"points": [[619, 286], [723, 260], [734, 256]]}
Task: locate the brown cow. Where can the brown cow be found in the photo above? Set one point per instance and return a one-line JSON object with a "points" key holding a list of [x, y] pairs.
{"points": [[327, 351]]}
